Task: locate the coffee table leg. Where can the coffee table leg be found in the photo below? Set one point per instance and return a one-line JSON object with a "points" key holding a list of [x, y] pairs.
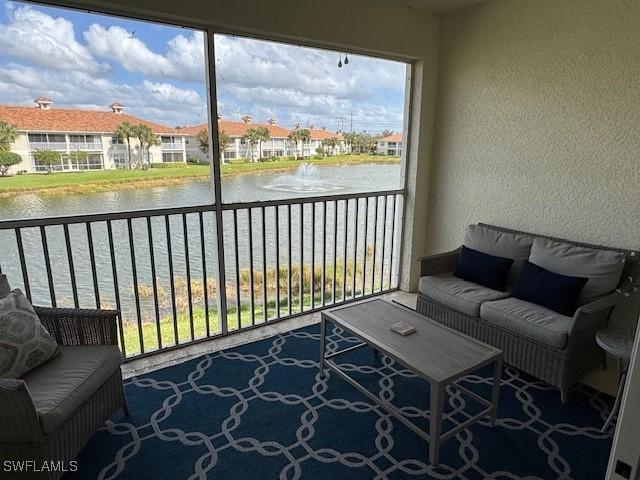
{"points": [[435, 423], [323, 332], [495, 391]]}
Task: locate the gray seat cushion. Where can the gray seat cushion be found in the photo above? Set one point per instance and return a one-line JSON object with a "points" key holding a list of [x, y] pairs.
{"points": [[59, 387], [603, 268], [457, 293], [528, 319]]}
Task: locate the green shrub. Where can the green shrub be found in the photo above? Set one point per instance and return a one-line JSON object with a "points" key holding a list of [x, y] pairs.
{"points": [[7, 160], [169, 165]]}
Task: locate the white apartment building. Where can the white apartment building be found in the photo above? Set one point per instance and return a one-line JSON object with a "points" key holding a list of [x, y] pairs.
{"points": [[278, 144], [92, 132], [318, 136], [391, 145]]}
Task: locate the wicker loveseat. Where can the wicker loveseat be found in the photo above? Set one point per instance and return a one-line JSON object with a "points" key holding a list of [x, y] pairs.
{"points": [[559, 353], [48, 415]]}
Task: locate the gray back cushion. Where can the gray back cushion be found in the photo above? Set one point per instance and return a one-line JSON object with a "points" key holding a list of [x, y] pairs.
{"points": [[603, 268], [4, 286], [500, 244]]}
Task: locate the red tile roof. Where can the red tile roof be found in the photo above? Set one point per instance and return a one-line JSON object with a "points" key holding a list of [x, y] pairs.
{"points": [[237, 129], [396, 137], [192, 130], [72, 120], [95, 121], [322, 134]]}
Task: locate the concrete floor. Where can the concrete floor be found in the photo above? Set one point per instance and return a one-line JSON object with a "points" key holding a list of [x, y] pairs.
{"points": [[173, 357]]}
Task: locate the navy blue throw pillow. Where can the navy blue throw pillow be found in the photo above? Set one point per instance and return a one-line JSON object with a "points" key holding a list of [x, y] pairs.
{"points": [[482, 268], [552, 290]]}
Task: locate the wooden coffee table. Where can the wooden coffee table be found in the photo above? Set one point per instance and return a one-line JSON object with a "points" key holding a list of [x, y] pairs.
{"points": [[434, 352]]}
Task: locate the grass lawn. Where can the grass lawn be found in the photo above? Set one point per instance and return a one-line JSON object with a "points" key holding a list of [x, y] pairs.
{"points": [[106, 180], [168, 331], [99, 180], [180, 333]]}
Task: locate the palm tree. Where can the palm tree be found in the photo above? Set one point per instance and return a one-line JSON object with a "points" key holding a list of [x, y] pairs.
{"points": [[330, 143], [301, 136], [202, 137], [251, 138], [350, 139], [147, 139], [126, 132], [366, 142], [8, 134], [263, 136], [224, 140], [255, 136]]}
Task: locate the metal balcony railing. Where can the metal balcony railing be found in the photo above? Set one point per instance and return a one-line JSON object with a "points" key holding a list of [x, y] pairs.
{"points": [[84, 146], [160, 267], [172, 146], [48, 145]]}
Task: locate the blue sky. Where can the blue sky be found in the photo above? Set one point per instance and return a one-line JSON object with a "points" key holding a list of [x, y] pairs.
{"points": [[158, 72]]}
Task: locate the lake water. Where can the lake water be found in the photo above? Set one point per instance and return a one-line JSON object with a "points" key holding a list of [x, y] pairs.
{"points": [[241, 188]]}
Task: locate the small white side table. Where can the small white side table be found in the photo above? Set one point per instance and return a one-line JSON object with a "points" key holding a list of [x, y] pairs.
{"points": [[617, 342]]}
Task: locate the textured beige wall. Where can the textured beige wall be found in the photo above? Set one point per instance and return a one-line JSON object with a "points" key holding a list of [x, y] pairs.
{"points": [[538, 122]]}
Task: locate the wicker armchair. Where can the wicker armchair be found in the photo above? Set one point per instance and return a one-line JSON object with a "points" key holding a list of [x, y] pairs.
{"points": [[53, 430], [560, 367]]}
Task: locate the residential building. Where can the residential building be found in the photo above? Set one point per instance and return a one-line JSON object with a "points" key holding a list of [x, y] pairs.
{"points": [[391, 145], [320, 135], [278, 144], [69, 130], [193, 148]]}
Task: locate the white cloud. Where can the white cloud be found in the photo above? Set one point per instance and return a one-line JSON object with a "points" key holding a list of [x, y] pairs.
{"points": [[184, 59], [159, 102], [263, 79], [168, 93], [37, 37], [245, 62], [305, 85]]}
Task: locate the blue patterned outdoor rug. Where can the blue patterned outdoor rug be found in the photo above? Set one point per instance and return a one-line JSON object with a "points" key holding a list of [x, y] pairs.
{"points": [[261, 411]]}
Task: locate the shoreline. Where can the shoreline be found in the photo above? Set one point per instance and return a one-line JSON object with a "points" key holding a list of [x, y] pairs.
{"points": [[162, 177]]}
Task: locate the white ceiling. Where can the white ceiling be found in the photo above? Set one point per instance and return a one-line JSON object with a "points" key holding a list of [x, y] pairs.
{"points": [[439, 7]]}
